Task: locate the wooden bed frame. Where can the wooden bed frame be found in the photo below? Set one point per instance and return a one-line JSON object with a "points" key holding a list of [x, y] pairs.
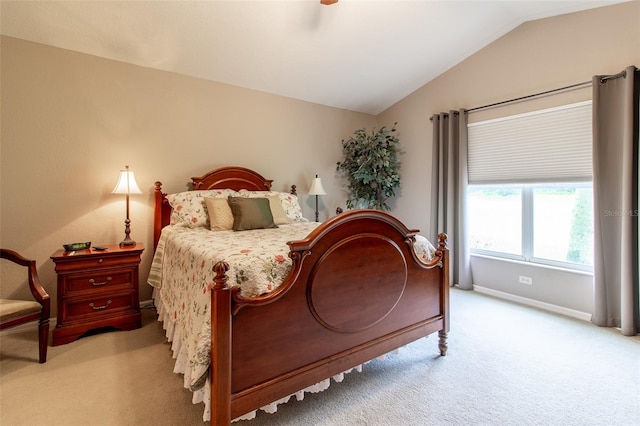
{"points": [[356, 291]]}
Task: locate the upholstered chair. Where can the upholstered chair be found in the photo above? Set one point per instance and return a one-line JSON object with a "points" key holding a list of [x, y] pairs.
{"points": [[17, 312]]}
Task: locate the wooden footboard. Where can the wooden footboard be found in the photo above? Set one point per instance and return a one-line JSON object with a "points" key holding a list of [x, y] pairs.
{"points": [[356, 291]]}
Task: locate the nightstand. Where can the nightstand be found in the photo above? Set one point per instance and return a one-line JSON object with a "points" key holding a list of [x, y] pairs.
{"points": [[96, 289]]}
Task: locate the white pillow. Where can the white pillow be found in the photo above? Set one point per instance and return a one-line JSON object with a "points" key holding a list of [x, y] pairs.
{"points": [[289, 203], [279, 216]]}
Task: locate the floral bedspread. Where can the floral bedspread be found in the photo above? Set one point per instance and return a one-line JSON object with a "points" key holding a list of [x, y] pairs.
{"points": [[182, 272]]}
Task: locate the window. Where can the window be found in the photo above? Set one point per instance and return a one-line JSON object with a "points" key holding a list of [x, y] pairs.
{"points": [[547, 223], [495, 219], [563, 223], [530, 195]]}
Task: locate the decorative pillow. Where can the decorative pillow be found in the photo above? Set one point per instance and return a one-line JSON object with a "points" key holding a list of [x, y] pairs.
{"points": [[292, 207], [220, 216], [188, 207], [251, 213], [279, 216], [289, 203]]}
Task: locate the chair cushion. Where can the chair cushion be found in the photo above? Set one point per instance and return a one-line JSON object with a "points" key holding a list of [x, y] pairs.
{"points": [[16, 308]]}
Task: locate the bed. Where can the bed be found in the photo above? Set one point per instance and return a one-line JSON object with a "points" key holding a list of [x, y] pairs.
{"points": [[355, 288]]}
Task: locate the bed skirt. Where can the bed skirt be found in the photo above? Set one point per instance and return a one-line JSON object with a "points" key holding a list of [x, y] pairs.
{"points": [[203, 395]]}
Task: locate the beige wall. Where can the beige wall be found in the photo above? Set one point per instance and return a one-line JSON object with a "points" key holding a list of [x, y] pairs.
{"points": [[535, 57], [71, 121]]}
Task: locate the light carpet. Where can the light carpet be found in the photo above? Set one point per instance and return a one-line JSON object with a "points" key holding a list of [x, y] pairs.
{"points": [[507, 365]]}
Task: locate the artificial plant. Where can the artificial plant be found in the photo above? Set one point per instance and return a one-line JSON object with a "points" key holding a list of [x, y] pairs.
{"points": [[371, 166]]}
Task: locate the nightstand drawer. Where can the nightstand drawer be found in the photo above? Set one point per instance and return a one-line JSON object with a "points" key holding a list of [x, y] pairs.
{"points": [[92, 261], [98, 306], [98, 279]]}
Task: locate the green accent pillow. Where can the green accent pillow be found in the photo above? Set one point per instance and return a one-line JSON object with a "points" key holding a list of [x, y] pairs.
{"points": [[251, 213]]}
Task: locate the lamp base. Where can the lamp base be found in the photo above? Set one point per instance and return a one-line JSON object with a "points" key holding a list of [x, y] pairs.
{"points": [[127, 243]]}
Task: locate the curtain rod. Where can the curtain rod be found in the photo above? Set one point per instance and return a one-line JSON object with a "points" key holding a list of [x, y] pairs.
{"points": [[622, 74], [573, 86], [603, 79]]}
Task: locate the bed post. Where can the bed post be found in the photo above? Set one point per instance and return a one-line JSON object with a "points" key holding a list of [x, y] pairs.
{"points": [[220, 347], [444, 294], [157, 213]]}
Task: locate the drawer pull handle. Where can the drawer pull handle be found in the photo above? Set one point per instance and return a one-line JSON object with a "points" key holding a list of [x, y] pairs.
{"points": [[97, 308], [100, 260], [97, 284]]}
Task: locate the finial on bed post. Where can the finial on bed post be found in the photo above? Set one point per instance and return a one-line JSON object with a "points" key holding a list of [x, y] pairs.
{"points": [[220, 268], [294, 191], [442, 241]]}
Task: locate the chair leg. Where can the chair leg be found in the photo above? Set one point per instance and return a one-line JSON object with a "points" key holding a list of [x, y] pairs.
{"points": [[43, 339]]}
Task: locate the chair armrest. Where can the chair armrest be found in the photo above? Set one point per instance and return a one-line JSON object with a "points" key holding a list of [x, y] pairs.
{"points": [[37, 290]]}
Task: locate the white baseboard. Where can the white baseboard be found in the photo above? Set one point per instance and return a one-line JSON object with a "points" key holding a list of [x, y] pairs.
{"points": [[584, 316], [146, 304]]}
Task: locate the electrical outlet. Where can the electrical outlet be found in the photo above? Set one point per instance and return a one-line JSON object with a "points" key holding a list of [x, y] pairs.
{"points": [[526, 280]]}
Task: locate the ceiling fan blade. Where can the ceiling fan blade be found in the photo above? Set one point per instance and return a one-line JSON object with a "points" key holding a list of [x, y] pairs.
{"points": [[328, 2]]}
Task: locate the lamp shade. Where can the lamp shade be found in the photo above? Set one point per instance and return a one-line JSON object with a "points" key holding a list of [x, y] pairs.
{"points": [[126, 183], [316, 187]]}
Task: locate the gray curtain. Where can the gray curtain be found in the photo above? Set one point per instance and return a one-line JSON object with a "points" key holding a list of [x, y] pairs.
{"points": [[448, 191], [615, 192]]}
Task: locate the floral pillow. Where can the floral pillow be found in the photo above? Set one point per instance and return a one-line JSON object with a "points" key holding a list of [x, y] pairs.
{"points": [[188, 208], [292, 207], [289, 203]]}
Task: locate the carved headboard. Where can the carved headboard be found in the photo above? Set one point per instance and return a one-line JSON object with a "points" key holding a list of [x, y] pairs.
{"points": [[230, 177]]}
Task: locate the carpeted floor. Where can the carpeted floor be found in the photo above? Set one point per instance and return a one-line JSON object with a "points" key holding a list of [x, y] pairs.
{"points": [[507, 365]]}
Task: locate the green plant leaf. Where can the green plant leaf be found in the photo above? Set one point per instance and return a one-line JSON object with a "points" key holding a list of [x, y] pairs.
{"points": [[371, 166]]}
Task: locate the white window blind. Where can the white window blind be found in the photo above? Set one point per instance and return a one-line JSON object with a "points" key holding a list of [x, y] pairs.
{"points": [[551, 145]]}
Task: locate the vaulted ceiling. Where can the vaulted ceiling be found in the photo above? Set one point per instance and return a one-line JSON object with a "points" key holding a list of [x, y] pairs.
{"points": [[360, 55]]}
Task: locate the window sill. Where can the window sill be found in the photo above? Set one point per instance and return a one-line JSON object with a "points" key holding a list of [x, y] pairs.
{"points": [[533, 264]]}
